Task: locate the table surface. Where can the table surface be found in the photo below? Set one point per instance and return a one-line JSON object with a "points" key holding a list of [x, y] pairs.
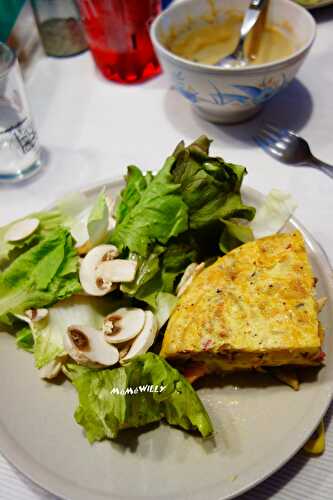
{"points": [[90, 129]]}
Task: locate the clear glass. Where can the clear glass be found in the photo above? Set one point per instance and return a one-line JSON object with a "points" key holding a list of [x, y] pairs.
{"points": [[117, 32], [60, 27], [19, 147]]}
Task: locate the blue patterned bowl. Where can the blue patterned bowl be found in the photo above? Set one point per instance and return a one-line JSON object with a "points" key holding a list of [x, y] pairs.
{"points": [[231, 95]]}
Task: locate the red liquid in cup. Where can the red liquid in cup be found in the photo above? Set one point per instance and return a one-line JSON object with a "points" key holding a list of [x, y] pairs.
{"points": [[118, 35]]}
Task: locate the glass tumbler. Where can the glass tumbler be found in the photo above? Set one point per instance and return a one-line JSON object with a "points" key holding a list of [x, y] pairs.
{"points": [[118, 35], [60, 28], [19, 148]]}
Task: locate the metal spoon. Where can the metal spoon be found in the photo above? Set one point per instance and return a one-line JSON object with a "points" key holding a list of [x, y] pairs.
{"points": [[237, 58]]}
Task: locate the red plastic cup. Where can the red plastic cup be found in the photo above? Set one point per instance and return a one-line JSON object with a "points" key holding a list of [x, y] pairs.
{"points": [[117, 32]]}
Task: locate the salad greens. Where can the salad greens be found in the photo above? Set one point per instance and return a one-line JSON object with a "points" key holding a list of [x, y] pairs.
{"points": [[39, 277], [185, 213], [191, 211], [98, 221], [112, 400], [10, 250], [154, 214], [83, 222], [25, 339], [274, 212]]}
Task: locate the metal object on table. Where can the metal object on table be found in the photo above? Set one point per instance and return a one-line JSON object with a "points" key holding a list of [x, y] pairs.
{"points": [[238, 58], [288, 147], [60, 27], [19, 148]]}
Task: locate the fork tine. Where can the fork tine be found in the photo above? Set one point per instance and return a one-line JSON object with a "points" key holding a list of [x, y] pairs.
{"points": [[273, 136], [274, 127], [261, 142], [283, 134], [267, 145], [277, 142], [280, 132]]}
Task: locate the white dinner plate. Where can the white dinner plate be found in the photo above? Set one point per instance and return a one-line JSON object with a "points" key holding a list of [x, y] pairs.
{"points": [[259, 425]]}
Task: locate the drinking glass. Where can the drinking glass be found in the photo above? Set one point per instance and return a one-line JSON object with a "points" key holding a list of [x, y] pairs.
{"points": [[19, 148], [60, 27], [117, 32]]}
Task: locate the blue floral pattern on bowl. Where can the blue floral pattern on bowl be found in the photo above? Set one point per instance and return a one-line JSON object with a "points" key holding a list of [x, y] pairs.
{"points": [[254, 95]]}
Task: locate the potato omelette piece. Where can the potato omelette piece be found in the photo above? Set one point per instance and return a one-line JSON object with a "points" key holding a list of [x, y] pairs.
{"points": [[253, 307]]}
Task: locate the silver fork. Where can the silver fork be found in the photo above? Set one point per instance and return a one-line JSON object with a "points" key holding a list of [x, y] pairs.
{"points": [[288, 147]]}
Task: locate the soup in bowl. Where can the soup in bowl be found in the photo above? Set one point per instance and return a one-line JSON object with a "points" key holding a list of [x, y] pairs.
{"points": [[192, 36]]}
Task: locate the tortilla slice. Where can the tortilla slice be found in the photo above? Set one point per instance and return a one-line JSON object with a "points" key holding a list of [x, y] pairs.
{"points": [[253, 307]]}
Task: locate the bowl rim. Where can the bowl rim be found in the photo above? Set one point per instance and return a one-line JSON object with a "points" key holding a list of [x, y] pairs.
{"points": [[209, 68]]}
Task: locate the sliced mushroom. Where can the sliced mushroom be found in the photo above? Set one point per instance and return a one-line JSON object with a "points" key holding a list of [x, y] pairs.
{"points": [[51, 370], [124, 324], [36, 314], [21, 230], [31, 316], [87, 347], [145, 339], [117, 271], [190, 272], [123, 349], [90, 282]]}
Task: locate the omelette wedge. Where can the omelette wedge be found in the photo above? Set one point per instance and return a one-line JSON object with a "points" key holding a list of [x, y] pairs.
{"points": [[253, 307]]}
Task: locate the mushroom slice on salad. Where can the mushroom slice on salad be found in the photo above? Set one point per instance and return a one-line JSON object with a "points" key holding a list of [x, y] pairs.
{"points": [[87, 346], [117, 271], [145, 339], [52, 369], [190, 272], [123, 324], [32, 316], [36, 314], [89, 280], [21, 230]]}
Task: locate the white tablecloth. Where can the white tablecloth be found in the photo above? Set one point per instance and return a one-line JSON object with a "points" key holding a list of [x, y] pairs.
{"points": [[91, 129]]}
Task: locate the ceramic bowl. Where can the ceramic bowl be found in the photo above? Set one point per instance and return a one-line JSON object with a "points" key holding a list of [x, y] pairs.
{"points": [[231, 95]]}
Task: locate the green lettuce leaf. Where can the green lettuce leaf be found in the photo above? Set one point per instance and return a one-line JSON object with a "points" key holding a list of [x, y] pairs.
{"points": [[210, 186], [234, 235], [218, 219], [41, 276], [75, 209], [273, 213], [165, 304], [25, 339], [159, 271], [112, 400], [136, 183], [11, 250], [147, 282], [98, 221], [153, 215], [223, 207], [190, 211]]}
